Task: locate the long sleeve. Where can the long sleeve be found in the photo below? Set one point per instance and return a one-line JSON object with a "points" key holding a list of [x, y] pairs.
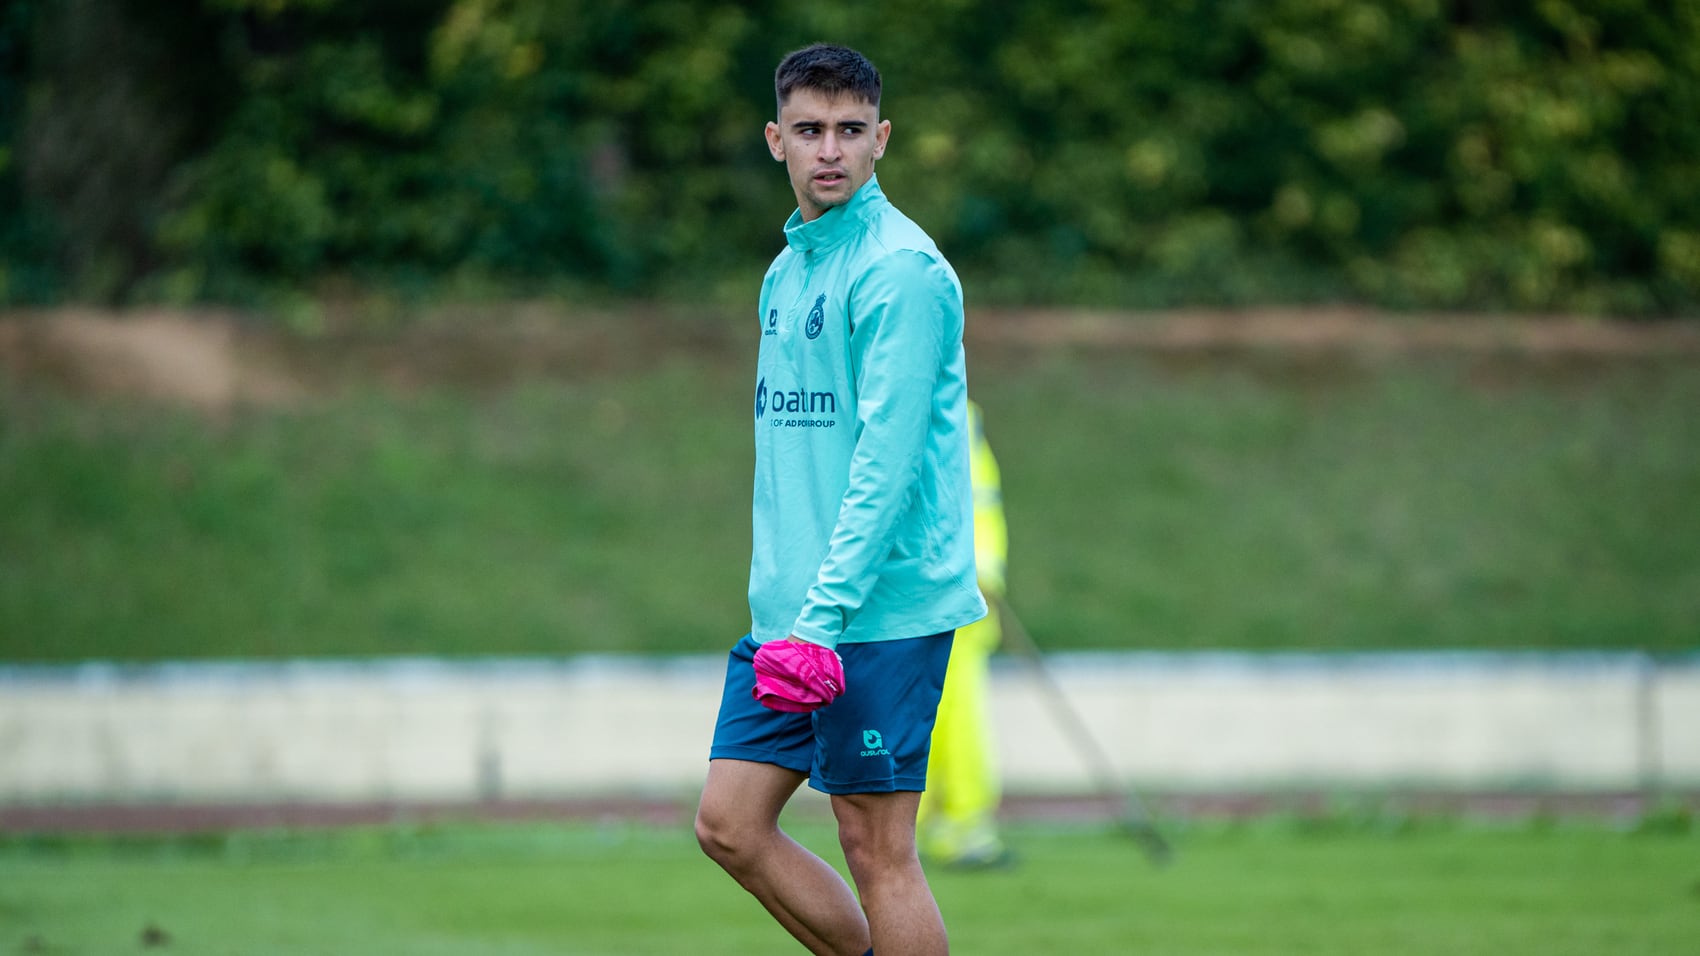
{"points": [[903, 313]]}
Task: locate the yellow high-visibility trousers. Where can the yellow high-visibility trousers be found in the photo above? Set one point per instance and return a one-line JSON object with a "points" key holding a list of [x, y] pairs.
{"points": [[957, 819]]}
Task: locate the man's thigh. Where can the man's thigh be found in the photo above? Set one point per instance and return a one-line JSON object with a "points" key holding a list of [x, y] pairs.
{"points": [[746, 730], [875, 738], [876, 829], [742, 793]]}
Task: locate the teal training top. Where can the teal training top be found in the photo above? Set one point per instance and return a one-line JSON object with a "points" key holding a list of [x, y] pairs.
{"points": [[863, 513]]}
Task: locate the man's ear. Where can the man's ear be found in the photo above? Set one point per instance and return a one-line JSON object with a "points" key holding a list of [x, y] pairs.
{"points": [[775, 144], [882, 135]]}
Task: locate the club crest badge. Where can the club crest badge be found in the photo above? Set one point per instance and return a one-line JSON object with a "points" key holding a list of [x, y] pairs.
{"points": [[817, 318]]}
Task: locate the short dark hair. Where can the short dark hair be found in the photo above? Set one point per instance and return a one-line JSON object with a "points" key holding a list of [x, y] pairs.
{"points": [[829, 70]]}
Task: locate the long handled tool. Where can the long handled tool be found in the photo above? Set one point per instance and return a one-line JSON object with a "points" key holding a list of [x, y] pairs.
{"points": [[1135, 818]]}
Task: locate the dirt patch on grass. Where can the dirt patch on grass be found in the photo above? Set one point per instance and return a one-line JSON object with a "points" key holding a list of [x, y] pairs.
{"points": [[1336, 329], [1324, 809], [199, 361], [214, 361]]}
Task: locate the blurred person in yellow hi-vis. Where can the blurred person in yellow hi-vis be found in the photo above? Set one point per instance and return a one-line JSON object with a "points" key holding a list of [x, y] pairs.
{"points": [[957, 821]]}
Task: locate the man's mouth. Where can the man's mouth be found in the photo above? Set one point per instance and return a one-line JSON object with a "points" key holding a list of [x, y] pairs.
{"points": [[830, 177]]}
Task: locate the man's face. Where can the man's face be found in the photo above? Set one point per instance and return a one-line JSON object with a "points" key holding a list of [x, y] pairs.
{"points": [[828, 145]]}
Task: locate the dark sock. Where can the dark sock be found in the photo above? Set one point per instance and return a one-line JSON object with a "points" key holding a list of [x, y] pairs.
{"points": [[870, 952]]}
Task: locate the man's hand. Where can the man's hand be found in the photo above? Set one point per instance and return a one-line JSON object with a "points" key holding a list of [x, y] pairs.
{"points": [[797, 677]]}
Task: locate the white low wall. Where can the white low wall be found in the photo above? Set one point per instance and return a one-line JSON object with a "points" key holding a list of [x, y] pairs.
{"points": [[433, 730]]}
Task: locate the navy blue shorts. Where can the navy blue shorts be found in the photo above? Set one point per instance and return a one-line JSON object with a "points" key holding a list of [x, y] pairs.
{"points": [[873, 739]]}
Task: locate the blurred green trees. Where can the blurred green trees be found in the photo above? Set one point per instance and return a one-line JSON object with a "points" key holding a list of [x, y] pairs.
{"points": [[1414, 153]]}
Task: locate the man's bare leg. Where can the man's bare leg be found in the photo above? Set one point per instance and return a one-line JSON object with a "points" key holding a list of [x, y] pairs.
{"points": [[877, 831], [738, 827]]}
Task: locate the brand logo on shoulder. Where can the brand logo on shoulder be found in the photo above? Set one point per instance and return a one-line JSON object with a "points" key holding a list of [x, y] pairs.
{"points": [[873, 744], [817, 318], [772, 322]]}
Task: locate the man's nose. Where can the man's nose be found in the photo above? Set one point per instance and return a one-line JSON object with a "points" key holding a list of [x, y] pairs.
{"points": [[829, 147]]}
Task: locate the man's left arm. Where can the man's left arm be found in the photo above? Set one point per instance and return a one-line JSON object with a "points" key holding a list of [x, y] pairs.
{"points": [[904, 311]]}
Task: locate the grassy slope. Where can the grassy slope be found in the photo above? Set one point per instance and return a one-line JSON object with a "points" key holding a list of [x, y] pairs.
{"points": [[1574, 890], [1248, 501], [1412, 504]]}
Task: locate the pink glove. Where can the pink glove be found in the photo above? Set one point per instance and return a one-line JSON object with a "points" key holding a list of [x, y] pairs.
{"points": [[796, 676]]}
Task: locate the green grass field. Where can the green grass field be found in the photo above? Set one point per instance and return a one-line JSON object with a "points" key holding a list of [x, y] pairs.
{"points": [[1255, 500], [1271, 887]]}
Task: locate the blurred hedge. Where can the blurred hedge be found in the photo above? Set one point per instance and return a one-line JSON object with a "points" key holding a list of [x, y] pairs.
{"points": [[1413, 153]]}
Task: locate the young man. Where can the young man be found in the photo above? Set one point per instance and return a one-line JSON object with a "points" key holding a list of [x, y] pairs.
{"points": [[862, 535]]}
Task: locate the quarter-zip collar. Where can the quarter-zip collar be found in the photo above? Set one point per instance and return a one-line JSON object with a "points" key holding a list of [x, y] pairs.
{"points": [[836, 224]]}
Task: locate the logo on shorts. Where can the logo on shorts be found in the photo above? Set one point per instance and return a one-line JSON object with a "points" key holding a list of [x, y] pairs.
{"points": [[873, 745]]}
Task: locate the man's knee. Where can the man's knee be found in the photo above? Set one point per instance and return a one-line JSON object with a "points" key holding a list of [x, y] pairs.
{"points": [[868, 852], [718, 836], [739, 810], [732, 837]]}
